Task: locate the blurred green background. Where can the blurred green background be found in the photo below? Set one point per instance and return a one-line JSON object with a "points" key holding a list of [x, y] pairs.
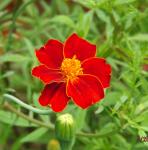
{"points": [[119, 28]]}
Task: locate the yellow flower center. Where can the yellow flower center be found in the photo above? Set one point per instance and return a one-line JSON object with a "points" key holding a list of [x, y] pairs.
{"points": [[71, 68]]}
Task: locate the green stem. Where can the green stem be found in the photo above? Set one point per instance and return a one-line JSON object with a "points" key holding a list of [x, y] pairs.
{"points": [[21, 103], [96, 134], [20, 114], [66, 145], [12, 109]]}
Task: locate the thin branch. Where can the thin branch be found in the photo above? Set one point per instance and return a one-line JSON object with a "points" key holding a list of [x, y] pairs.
{"points": [[96, 134], [20, 114], [24, 105]]}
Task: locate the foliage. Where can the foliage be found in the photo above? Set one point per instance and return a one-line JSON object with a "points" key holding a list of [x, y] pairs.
{"points": [[119, 28]]}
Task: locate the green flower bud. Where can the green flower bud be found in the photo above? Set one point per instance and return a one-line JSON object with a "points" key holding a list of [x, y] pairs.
{"points": [[65, 128]]}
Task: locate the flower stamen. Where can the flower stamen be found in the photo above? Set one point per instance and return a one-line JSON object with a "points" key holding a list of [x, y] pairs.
{"points": [[71, 68]]}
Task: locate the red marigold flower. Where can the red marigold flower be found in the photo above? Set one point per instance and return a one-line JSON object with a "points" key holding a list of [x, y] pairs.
{"points": [[71, 70]]}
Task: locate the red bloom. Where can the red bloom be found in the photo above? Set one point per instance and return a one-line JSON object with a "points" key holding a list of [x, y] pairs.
{"points": [[71, 70]]}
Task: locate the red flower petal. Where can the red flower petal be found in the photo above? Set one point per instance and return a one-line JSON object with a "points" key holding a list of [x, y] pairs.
{"points": [[85, 90], [47, 75], [54, 95], [51, 54], [99, 68], [75, 45]]}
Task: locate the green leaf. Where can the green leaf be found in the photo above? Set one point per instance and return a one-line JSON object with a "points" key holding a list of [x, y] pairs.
{"points": [[102, 15], [35, 135], [80, 118], [107, 128], [63, 19], [121, 102], [62, 6], [141, 117], [13, 119], [30, 47], [99, 110], [121, 2], [13, 58], [145, 128], [5, 134], [7, 74], [139, 37], [87, 3], [4, 4], [141, 107], [111, 98], [84, 23], [105, 18]]}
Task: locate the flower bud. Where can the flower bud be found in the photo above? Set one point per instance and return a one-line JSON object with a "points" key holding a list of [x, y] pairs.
{"points": [[53, 145], [65, 128]]}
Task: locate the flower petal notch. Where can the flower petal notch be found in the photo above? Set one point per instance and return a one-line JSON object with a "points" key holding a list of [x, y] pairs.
{"points": [[71, 71]]}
